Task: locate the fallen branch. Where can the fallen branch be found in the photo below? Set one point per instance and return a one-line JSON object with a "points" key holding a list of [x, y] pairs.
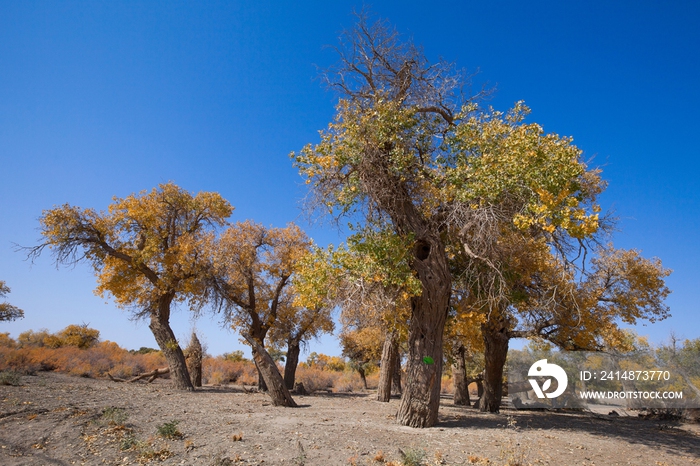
{"points": [[153, 375]]}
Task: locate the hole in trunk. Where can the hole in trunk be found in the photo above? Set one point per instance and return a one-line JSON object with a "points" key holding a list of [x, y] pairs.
{"points": [[422, 250]]}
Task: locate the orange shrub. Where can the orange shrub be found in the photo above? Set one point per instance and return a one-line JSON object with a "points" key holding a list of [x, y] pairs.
{"points": [[96, 361], [221, 370]]}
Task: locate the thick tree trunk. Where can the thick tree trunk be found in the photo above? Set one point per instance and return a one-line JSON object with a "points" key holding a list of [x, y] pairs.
{"points": [[168, 344], [396, 376], [258, 334], [273, 379], [495, 353], [459, 378], [290, 366], [421, 397], [390, 352], [194, 360]]}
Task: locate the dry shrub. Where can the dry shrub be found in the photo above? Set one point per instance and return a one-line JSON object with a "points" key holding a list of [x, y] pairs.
{"points": [[219, 370], [447, 385], [316, 379], [95, 361]]}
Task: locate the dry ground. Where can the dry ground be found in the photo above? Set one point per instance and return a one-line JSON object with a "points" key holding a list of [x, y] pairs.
{"points": [[54, 419]]}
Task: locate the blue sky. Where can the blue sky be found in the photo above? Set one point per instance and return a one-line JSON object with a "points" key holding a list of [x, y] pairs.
{"points": [[103, 99]]}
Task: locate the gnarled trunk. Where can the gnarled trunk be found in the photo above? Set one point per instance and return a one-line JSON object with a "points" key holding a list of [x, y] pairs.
{"points": [[390, 352], [459, 378], [495, 352], [290, 366], [168, 344], [194, 360], [421, 397], [271, 375]]}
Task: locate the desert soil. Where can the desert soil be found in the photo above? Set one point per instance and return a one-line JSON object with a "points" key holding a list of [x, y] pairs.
{"points": [[54, 419]]}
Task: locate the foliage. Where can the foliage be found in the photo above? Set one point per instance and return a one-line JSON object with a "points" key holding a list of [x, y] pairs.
{"points": [[253, 266], [7, 310], [325, 362], [234, 356], [146, 245], [6, 341]]}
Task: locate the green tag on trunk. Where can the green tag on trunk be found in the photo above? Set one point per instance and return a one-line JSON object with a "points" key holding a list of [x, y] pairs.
{"points": [[428, 360]]}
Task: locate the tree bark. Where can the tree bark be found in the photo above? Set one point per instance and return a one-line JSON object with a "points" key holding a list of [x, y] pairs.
{"points": [[421, 398], [459, 378], [290, 366], [273, 379], [386, 369], [495, 352], [396, 377], [168, 344]]}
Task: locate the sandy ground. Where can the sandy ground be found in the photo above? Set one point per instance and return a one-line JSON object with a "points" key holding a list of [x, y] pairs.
{"points": [[54, 419]]}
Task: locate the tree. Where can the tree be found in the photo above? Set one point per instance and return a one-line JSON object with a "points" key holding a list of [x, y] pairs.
{"points": [[309, 314], [381, 158], [7, 310], [296, 328], [575, 314], [149, 251], [363, 347], [464, 348], [80, 336], [253, 269]]}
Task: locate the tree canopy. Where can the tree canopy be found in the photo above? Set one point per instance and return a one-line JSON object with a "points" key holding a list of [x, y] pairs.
{"points": [[7, 310]]}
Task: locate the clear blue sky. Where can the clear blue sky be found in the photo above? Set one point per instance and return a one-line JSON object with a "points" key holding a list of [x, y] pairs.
{"points": [[102, 99]]}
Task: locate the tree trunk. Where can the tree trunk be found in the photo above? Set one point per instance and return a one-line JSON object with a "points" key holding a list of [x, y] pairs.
{"points": [[390, 352], [194, 360], [363, 377], [396, 377], [171, 349], [459, 378], [421, 397], [273, 379], [495, 353], [290, 366], [262, 386]]}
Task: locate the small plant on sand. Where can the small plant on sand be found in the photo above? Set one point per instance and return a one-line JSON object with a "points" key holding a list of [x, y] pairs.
{"points": [[221, 460], [114, 416], [10, 378], [169, 430], [412, 456]]}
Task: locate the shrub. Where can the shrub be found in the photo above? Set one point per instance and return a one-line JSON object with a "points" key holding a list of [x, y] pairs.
{"points": [[316, 379], [220, 370], [10, 378], [115, 416], [412, 456], [169, 430]]}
